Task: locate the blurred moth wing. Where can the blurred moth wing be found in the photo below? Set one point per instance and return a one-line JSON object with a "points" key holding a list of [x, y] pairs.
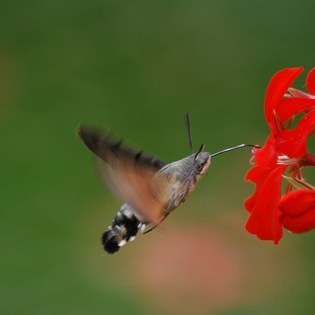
{"points": [[130, 175], [136, 186]]}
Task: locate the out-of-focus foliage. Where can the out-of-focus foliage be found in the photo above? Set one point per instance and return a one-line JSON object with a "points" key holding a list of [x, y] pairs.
{"points": [[135, 67]]}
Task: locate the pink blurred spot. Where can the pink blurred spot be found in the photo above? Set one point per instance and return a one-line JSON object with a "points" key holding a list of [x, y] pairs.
{"points": [[197, 270]]}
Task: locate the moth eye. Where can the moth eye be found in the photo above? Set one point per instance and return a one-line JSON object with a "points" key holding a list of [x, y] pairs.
{"points": [[199, 168]]}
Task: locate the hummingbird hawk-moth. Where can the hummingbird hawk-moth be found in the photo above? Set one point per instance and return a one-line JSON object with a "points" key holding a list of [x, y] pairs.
{"points": [[150, 187]]}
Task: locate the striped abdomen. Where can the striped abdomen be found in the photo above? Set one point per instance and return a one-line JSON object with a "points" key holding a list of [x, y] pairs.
{"points": [[123, 229]]}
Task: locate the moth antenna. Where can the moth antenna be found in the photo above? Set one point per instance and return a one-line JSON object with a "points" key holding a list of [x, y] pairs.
{"points": [[200, 150], [235, 148], [187, 124]]}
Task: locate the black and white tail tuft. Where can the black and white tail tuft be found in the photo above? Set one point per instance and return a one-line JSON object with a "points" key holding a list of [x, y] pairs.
{"points": [[123, 229]]}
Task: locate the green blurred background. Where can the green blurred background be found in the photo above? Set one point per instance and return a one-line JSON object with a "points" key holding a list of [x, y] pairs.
{"points": [[135, 67]]}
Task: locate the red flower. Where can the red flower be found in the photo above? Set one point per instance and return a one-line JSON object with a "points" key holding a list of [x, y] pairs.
{"points": [[284, 150]]}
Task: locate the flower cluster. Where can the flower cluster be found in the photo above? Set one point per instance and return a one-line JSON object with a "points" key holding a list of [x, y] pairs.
{"points": [[282, 198]]}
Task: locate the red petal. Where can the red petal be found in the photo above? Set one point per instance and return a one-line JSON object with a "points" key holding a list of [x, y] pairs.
{"points": [[298, 210], [264, 219], [310, 81], [267, 156], [250, 202], [293, 142], [255, 174], [301, 224], [292, 106], [278, 85], [297, 202]]}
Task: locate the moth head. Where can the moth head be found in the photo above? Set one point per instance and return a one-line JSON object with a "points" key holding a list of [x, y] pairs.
{"points": [[202, 160]]}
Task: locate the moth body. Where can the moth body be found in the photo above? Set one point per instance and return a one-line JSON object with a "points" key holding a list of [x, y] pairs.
{"points": [[179, 180]]}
